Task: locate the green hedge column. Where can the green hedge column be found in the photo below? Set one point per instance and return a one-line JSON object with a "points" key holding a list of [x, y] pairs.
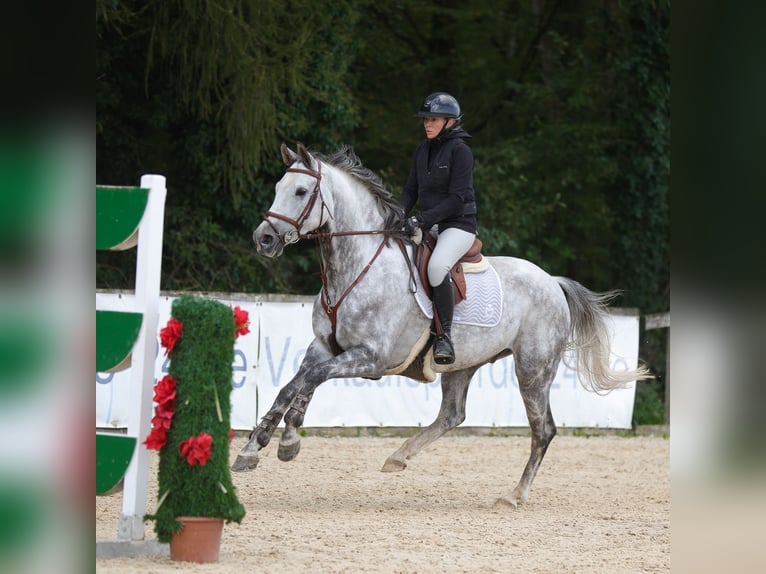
{"points": [[201, 364]]}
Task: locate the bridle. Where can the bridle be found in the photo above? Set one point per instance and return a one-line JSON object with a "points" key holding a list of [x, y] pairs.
{"points": [[293, 235], [324, 246]]}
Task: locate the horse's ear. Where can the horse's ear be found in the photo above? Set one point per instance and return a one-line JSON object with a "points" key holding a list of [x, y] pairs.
{"points": [[288, 155], [306, 158]]}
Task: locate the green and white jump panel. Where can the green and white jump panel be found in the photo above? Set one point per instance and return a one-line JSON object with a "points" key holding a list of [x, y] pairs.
{"points": [[128, 217], [114, 455]]}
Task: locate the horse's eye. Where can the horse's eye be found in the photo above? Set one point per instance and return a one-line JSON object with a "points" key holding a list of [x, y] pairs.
{"points": [[301, 191]]}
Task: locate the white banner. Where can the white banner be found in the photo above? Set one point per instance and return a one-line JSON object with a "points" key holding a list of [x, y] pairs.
{"points": [[269, 356]]}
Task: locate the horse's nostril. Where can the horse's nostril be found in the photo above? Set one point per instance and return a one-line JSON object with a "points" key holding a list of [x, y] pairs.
{"points": [[267, 239]]}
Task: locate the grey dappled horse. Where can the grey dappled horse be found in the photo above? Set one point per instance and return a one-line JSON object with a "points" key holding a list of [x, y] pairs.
{"points": [[366, 320]]}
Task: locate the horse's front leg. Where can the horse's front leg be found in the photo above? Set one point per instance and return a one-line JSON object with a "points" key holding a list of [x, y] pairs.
{"points": [[356, 362], [247, 459], [290, 441]]}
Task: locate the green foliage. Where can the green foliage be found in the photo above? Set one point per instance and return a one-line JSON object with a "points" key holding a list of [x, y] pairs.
{"points": [[201, 364], [649, 406], [639, 195], [538, 203], [203, 93]]}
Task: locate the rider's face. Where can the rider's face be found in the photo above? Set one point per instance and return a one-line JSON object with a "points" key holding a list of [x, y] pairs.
{"points": [[435, 125]]}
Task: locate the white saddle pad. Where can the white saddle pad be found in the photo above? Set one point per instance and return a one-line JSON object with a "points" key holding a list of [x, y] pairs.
{"points": [[482, 306]]}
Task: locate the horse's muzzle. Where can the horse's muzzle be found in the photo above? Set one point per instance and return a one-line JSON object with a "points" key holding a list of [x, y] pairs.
{"points": [[266, 241]]}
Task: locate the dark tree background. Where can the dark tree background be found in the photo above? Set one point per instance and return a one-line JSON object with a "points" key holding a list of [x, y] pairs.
{"points": [[568, 103]]}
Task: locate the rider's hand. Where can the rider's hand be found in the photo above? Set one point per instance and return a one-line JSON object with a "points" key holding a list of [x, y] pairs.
{"points": [[412, 225], [414, 228]]}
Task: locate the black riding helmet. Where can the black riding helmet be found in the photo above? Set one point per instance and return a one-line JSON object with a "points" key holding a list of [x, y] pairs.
{"points": [[440, 105]]}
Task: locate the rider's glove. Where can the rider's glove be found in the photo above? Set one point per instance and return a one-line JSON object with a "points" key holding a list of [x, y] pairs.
{"points": [[412, 225]]}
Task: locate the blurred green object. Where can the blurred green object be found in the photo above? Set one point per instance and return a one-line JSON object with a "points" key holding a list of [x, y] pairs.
{"points": [[22, 515], [118, 212], [25, 174], [26, 348], [113, 455], [116, 334]]}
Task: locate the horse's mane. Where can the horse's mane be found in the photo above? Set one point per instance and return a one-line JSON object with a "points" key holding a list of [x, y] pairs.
{"points": [[347, 161]]}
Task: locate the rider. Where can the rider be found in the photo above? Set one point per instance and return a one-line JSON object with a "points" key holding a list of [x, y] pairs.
{"points": [[441, 178]]}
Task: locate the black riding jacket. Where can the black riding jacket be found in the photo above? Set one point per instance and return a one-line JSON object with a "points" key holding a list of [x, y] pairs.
{"points": [[441, 177]]}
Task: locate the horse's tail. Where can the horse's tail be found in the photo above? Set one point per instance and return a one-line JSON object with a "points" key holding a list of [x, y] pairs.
{"points": [[589, 339]]}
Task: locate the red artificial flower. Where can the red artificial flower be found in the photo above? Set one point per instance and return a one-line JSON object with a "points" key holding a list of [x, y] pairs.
{"points": [[196, 449], [162, 420], [164, 396], [156, 439], [165, 410], [242, 321], [231, 435], [170, 334], [165, 390]]}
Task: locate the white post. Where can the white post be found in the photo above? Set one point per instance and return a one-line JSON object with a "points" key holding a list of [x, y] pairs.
{"points": [[148, 271]]}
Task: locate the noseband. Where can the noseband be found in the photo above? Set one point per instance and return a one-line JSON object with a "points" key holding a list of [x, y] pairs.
{"points": [[292, 236]]}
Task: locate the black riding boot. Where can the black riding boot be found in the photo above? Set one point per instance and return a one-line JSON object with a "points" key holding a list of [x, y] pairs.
{"points": [[444, 305]]}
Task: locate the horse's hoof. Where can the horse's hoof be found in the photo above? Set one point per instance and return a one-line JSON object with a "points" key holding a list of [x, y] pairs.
{"points": [[288, 450], [393, 465], [244, 463], [507, 502]]}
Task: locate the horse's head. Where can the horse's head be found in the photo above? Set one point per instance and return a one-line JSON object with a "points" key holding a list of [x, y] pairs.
{"points": [[298, 207]]}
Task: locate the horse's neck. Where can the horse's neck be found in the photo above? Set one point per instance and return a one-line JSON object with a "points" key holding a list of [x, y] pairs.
{"points": [[352, 261], [353, 210], [353, 207]]}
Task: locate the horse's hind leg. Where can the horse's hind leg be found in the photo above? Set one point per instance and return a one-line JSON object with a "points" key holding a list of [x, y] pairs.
{"points": [[451, 414], [535, 391]]}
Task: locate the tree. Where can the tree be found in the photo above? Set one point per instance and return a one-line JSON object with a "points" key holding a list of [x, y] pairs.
{"points": [[204, 93]]}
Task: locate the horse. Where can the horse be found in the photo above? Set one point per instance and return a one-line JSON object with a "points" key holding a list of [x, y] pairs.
{"points": [[366, 321]]}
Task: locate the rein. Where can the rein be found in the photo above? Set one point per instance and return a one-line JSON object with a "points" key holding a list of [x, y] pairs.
{"points": [[324, 240], [290, 237]]}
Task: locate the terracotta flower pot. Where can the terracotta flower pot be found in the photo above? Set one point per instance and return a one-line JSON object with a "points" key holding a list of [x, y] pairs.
{"points": [[198, 541]]}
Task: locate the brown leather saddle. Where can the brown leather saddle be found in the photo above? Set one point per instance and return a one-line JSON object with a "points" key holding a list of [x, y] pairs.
{"points": [[423, 255]]}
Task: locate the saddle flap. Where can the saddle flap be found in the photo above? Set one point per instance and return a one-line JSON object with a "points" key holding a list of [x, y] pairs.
{"points": [[458, 282], [423, 255]]}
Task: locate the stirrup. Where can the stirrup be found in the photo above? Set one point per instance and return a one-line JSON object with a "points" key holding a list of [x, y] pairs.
{"points": [[444, 353]]}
